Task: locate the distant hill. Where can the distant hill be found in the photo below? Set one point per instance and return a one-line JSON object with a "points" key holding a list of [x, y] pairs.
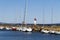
{"points": [[14, 24]]}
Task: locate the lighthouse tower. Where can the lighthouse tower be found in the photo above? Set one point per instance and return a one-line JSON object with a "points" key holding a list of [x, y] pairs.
{"points": [[35, 21]]}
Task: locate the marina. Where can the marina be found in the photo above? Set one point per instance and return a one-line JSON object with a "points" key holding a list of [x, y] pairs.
{"points": [[32, 28], [29, 20]]}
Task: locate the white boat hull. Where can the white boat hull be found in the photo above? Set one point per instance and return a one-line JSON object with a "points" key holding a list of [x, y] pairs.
{"points": [[8, 28], [1, 27], [24, 29], [29, 29], [51, 31], [19, 29], [44, 31], [57, 32]]}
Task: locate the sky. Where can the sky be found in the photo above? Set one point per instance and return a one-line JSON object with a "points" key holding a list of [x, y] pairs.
{"points": [[12, 11]]}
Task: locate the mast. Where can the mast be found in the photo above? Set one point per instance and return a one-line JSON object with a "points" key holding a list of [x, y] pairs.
{"points": [[52, 16], [43, 17], [24, 17]]}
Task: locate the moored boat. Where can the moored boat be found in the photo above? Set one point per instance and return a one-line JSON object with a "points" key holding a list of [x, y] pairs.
{"points": [[7, 28], [57, 32], [52, 31], [44, 31], [1, 28], [29, 29], [24, 29], [14, 28], [19, 28]]}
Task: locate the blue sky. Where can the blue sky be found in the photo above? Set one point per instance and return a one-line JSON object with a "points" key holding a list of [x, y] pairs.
{"points": [[12, 11]]}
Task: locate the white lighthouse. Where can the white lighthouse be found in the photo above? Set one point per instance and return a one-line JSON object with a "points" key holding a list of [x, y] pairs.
{"points": [[35, 21]]}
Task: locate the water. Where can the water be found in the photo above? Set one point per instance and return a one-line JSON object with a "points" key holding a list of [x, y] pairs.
{"points": [[16, 35]]}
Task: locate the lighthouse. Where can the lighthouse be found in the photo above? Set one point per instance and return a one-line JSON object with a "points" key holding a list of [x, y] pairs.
{"points": [[35, 21]]}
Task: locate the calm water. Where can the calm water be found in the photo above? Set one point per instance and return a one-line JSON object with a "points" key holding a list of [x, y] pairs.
{"points": [[15, 35]]}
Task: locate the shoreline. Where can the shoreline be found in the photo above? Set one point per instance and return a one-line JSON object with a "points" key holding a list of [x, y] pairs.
{"points": [[35, 28]]}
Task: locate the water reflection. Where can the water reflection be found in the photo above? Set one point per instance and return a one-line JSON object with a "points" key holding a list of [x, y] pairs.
{"points": [[28, 33]]}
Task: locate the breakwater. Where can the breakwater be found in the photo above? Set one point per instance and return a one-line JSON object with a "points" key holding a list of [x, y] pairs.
{"points": [[37, 28]]}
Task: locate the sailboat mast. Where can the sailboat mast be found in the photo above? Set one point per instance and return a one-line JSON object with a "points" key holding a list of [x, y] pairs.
{"points": [[43, 17], [51, 15], [25, 12]]}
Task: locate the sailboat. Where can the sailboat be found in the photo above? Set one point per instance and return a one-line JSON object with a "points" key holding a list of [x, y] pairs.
{"points": [[57, 32], [52, 31], [44, 30], [24, 27], [7, 28], [1, 27], [29, 29]]}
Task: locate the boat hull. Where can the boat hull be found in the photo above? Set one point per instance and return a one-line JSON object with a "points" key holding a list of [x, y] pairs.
{"points": [[51, 32], [57, 32], [44, 31], [29, 29]]}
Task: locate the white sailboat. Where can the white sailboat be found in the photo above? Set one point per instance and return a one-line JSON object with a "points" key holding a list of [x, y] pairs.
{"points": [[1, 27], [24, 27], [18, 28], [29, 29], [7, 28], [44, 31], [57, 32], [52, 31]]}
